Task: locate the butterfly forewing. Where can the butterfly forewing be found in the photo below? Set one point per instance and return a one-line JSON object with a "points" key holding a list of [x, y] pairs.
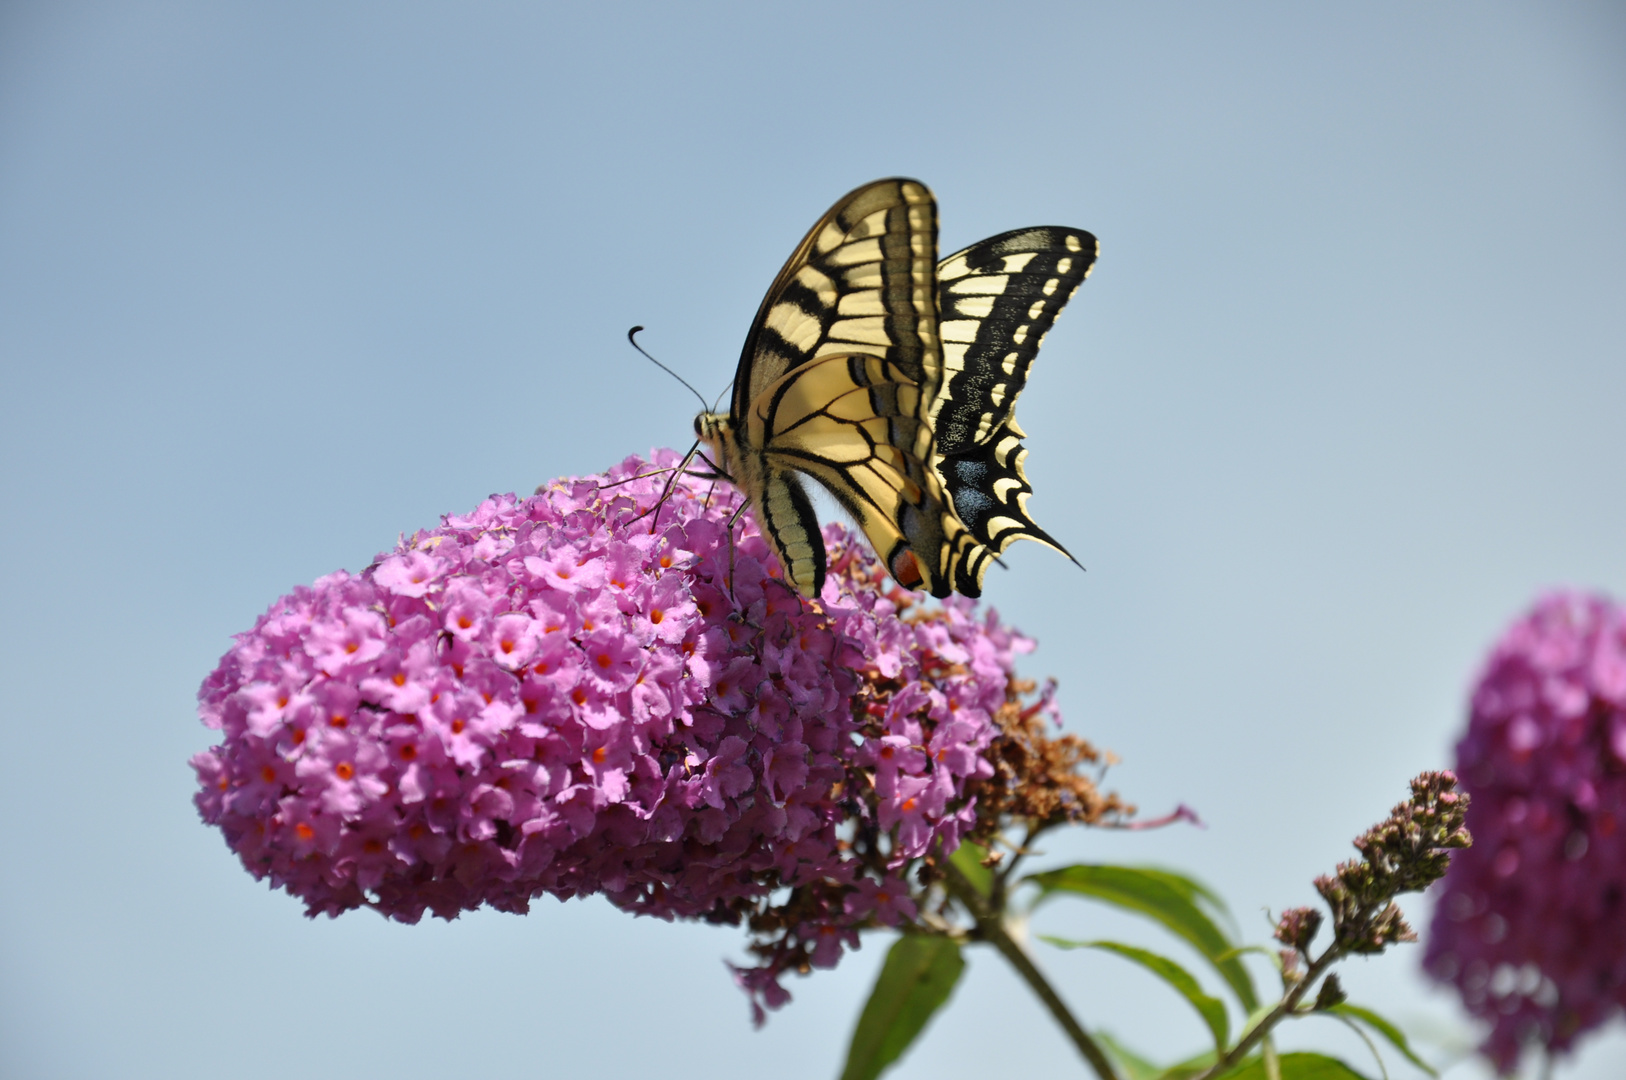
{"points": [[863, 280], [998, 299]]}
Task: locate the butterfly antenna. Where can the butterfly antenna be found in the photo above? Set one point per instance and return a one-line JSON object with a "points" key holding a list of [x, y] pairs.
{"points": [[634, 341]]}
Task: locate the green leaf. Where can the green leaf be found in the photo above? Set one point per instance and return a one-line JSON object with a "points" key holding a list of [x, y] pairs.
{"points": [[1131, 1066], [1388, 1030], [1211, 1009], [1189, 1068], [1170, 899], [967, 859], [1192, 889], [917, 978], [1298, 1066], [1273, 955]]}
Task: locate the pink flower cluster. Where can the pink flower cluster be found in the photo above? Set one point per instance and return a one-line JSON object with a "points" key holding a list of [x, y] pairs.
{"points": [[1531, 920], [569, 694]]}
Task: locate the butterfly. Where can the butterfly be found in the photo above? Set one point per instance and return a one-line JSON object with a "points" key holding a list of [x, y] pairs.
{"points": [[890, 379]]}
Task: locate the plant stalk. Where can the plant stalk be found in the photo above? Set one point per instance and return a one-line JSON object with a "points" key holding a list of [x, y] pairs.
{"points": [[991, 928], [1288, 1004]]}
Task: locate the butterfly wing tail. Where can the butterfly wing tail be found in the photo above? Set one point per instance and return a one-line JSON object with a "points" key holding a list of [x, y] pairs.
{"points": [[990, 491]]}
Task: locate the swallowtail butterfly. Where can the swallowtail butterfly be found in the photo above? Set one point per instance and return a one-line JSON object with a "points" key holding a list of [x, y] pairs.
{"points": [[891, 379]]}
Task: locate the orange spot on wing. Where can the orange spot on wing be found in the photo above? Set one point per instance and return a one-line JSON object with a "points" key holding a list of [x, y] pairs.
{"points": [[906, 570]]}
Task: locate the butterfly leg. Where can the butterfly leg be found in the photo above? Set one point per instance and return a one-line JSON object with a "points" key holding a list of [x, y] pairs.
{"points": [[630, 479], [667, 490], [744, 505], [716, 473]]}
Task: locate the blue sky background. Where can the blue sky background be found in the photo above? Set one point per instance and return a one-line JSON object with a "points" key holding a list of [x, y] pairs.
{"points": [[279, 281]]}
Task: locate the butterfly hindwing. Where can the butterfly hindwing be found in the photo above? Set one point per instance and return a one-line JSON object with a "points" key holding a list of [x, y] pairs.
{"points": [[990, 492], [792, 528], [853, 423]]}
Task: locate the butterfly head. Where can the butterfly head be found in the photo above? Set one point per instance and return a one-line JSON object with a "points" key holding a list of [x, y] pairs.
{"points": [[709, 426]]}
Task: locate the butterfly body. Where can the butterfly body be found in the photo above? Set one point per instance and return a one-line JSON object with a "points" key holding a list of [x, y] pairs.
{"points": [[890, 380]]}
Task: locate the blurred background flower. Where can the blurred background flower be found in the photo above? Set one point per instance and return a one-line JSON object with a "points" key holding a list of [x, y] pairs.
{"points": [[1530, 924]]}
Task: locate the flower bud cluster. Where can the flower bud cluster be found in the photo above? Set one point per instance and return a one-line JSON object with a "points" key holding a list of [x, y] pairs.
{"points": [[571, 694], [1531, 923], [1297, 928], [1406, 852], [1331, 993]]}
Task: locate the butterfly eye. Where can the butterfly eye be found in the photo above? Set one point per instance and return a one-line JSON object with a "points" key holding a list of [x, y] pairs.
{"points": [[700, 426]]}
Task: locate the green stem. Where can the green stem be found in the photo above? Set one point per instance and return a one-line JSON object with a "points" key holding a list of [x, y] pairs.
{"points": [[991, 928], [1287, 1005]]}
